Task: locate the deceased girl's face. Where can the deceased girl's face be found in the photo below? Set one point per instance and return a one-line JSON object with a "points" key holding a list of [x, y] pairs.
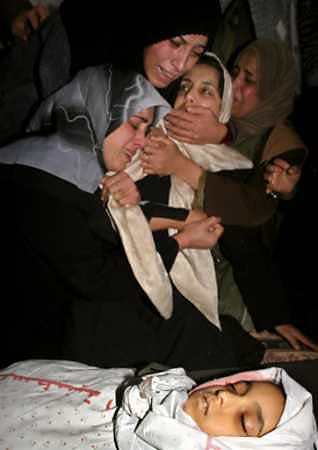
{"points": [[241, 409]]}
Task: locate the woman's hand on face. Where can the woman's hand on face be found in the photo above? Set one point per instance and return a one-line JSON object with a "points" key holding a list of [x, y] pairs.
{"points": [[202, 234], [122, 188], [295, 337], [160, 156], [281, 177], [197, 125], [29, 20]]}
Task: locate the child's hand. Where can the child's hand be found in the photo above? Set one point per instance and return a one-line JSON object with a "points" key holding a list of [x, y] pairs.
{"points": [[281, 177], [202, 234], [122, 188]]}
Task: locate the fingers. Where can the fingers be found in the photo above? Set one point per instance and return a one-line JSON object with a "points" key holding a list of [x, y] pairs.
{"points": [[28, 21], [284, 165], [156, 132], [42, 12], [212, 225], [177, 116], [202, 234], [122, 188], [295, 337], [181, 134], [218, 231], [199, 110], [306, 341], [104, 193]]}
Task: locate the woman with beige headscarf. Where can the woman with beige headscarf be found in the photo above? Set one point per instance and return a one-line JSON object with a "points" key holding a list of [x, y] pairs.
{"points": [[264, 82]]}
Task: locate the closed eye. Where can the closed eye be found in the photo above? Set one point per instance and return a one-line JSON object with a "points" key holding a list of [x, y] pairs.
{"points": [[243, 425]]}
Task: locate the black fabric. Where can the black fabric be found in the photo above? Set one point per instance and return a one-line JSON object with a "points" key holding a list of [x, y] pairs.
{"points": [[73, 295], [95, 37], [29, 73], [257, 276], [164, 211], [84, 37]]}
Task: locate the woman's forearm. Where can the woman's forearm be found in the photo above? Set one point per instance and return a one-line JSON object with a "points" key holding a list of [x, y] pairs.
{"points": [[188, 171]]}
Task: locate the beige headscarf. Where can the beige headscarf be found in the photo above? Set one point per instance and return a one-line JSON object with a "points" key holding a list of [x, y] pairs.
{"points": [[276, 87]]}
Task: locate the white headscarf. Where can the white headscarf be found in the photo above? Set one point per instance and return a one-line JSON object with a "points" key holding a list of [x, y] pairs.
{"points": [[152, 416], [64, 404]]}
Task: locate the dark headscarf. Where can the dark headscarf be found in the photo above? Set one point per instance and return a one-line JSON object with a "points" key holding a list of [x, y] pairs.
{"points": [[121, 36], [76, 120]]}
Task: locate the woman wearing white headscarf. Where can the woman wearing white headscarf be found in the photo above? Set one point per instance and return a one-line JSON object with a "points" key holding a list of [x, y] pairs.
{"points": [[62, 404]]}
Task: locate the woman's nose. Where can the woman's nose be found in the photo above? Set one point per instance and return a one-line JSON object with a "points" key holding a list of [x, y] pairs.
{"points": [[237, 81], [237, 86], [180, 59], [139, 140]]}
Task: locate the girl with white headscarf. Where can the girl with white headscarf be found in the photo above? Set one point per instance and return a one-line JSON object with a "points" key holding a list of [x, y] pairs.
{"points": [[62, 404]]}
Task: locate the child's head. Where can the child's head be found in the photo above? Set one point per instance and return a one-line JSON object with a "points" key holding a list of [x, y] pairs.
{"points": [[245, 408], [262, 409], [207, 84]]}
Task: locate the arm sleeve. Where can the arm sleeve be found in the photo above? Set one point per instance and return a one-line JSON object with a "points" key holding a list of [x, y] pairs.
{"points": [[76, 245], [238, 197], [155, 190]]}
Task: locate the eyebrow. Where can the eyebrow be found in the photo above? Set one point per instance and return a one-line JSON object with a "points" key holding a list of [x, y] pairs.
{"points": [[142, 119], [208, 83], [249, 73], [205, 82], [184, 41]]}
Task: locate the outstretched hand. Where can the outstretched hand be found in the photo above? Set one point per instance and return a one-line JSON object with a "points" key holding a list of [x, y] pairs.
{"points": [[201, 234], [198, 125], [295, 337]]}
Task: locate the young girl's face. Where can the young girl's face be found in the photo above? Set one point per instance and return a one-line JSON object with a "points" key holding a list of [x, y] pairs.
{"points": [[200, 86], [241, 409], [120, 146]]}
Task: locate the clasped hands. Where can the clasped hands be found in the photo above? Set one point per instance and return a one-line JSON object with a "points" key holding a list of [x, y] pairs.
{"points": [[282, 178], [197, 231]]}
